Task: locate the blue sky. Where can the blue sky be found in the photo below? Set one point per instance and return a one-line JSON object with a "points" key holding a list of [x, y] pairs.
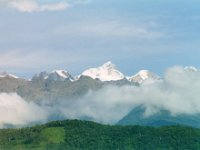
{"points": [[77, 34]]}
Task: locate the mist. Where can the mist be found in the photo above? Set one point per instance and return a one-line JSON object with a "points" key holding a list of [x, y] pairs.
{"points": [[15, 111], [178, 93]]}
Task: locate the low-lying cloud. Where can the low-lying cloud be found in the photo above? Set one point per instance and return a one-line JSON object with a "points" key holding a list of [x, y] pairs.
{"points": [[178, 93], [14, 111]]}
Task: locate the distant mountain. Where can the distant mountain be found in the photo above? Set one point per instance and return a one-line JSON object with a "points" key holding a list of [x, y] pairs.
{"points": [[191, 68], [106, 72], [4, 74], [144, 76], [53, 90], [57, 75], [10, 83], [162, 118], [61, 85]]}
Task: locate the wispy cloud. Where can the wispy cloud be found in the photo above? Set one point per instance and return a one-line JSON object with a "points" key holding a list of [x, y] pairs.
{"points": [[82, 1], [38, 59], [35, 6], [108, 29], [17, 58]]}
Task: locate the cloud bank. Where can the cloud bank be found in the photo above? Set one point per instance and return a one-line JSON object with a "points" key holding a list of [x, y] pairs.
{"points": [[178, 93]]}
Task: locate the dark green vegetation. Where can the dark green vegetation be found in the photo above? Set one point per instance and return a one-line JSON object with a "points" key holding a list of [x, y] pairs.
{"points": [[76, 134], [162, 118]]}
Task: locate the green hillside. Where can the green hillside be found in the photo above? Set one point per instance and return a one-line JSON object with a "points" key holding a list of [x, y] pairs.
{"points": [[74, 135]]}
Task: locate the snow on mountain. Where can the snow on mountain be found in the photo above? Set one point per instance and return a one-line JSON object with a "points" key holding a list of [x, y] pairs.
{"points": [[144, 75], [60, 75], [191, 68], [4, 74], [56, 75], [106, 72]]}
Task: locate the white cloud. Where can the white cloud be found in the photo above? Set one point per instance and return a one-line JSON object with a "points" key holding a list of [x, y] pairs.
{"points": [[34, 6], [178, 93], [17, 112]]}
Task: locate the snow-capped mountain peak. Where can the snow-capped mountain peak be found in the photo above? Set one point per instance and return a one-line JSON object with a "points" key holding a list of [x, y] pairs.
{"points": [[143, 75], [108, 65], [60, 75], [191, 68], [4, 74], [106, 72], [56, 75]]}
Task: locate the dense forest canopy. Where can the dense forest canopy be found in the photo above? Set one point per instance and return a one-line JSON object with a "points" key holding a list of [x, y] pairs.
{"points": [[75, 134]]}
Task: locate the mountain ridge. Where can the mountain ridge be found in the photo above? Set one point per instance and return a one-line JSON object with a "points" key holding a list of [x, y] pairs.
{"points": [[56, 87], [106, 72]]}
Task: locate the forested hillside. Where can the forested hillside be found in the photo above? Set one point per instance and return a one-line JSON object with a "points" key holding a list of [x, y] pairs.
{"points": [[74, 134]]}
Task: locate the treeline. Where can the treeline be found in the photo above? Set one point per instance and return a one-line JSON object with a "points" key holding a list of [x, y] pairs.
{"points": [[85, 135]]}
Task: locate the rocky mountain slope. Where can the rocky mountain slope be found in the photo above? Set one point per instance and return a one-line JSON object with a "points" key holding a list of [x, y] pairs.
{"points": [[60, 84]]}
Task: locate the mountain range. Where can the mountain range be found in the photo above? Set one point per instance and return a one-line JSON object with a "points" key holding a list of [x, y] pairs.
{"points": [[107, 72], [61, 85]]}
